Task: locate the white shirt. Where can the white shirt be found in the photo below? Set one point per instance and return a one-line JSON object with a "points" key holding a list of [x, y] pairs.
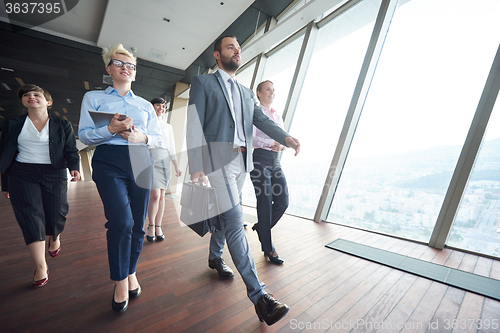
{"points": [[168, 142], [33, 146]]}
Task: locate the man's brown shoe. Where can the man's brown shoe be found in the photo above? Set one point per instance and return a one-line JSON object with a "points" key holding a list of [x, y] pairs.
{"points": [[270, 310], [221, 268]]}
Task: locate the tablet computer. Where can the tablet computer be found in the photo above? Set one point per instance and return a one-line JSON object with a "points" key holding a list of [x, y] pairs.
{"points": [[103, 118]]}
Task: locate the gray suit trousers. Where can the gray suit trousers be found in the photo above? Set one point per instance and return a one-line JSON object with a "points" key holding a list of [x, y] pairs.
{"points": [[228, 183]]}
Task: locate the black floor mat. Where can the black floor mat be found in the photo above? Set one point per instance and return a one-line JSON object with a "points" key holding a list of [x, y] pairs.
{"points": [[467, 281]]}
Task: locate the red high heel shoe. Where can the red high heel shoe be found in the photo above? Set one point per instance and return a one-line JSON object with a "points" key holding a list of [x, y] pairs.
{"points": [[41, 282], [55, 252]]}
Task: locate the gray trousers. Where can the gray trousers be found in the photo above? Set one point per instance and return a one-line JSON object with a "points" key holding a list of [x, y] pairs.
{"points": [[228, 183]]}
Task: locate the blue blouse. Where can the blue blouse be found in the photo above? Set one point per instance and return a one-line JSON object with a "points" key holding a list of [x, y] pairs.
{"points": [[141, 111]]}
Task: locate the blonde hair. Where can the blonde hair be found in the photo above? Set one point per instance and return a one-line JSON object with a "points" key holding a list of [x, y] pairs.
{"points": [[107, 54]]}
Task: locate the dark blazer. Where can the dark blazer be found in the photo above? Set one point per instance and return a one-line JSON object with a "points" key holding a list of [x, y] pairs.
{"points": [[210, 124], [62, 145]]}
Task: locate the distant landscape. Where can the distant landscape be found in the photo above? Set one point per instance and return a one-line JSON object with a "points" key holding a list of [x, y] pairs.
{"points": [[402, 194]]}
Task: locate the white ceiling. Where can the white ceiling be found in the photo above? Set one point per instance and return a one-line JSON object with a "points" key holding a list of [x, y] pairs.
{"points": [[194, 25]]}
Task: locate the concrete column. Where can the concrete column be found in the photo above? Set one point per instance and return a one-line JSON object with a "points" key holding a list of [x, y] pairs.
{"points": [[86, 169]]}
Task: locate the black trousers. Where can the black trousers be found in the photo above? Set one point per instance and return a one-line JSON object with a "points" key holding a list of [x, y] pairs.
{"points": [[39, 198], [271, 190]]}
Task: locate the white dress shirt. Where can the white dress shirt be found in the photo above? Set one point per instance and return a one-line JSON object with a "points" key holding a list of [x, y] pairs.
{"points": [[168, 139]]}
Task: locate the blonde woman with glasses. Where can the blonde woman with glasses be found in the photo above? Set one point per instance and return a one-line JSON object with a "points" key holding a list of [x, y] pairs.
{"points": [[124, 188]]}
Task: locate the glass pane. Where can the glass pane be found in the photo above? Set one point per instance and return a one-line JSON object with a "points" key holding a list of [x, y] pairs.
{"points": [[256, 35], [428, 82], [302, 3], [477, 223], [324, 100], [280, 68], [245, 76], [297, 6]]}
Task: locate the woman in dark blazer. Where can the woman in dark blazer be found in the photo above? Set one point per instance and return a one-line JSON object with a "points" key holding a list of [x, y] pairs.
{"points": [[35, 150]]}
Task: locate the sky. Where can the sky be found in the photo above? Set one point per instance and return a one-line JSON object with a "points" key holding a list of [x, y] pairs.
{"points": [[426, 87]]}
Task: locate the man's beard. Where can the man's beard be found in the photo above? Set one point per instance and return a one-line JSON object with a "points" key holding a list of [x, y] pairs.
{"points": [[229, 64]]}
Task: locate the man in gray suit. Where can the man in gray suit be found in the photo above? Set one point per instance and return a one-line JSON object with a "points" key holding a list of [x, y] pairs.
{"points": [[221, 115]]}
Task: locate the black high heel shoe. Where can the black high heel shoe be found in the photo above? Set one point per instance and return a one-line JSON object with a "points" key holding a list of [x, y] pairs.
{"points": [[275, 260], [160, 237], [150, 239], [119, 307], [135, 293]]}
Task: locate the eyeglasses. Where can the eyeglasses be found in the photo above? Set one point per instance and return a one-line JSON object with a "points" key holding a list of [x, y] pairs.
{"points": [[119, 63]]}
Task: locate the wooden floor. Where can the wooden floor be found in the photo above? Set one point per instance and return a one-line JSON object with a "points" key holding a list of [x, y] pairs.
{"points": [[326, 290]]}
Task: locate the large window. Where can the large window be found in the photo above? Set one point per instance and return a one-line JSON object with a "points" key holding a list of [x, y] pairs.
{"points": [[324, 100], [477, 223], [429, 79]]}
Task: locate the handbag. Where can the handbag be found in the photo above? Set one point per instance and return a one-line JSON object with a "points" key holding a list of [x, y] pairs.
{"points": [[199, 208]]}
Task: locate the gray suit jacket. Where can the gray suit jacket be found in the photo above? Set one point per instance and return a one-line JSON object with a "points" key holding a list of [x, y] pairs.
{"points": [[210, 124]]}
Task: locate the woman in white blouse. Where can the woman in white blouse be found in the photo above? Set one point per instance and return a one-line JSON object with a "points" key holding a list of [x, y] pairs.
{"points": [[35, 151], [162, 155]]}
